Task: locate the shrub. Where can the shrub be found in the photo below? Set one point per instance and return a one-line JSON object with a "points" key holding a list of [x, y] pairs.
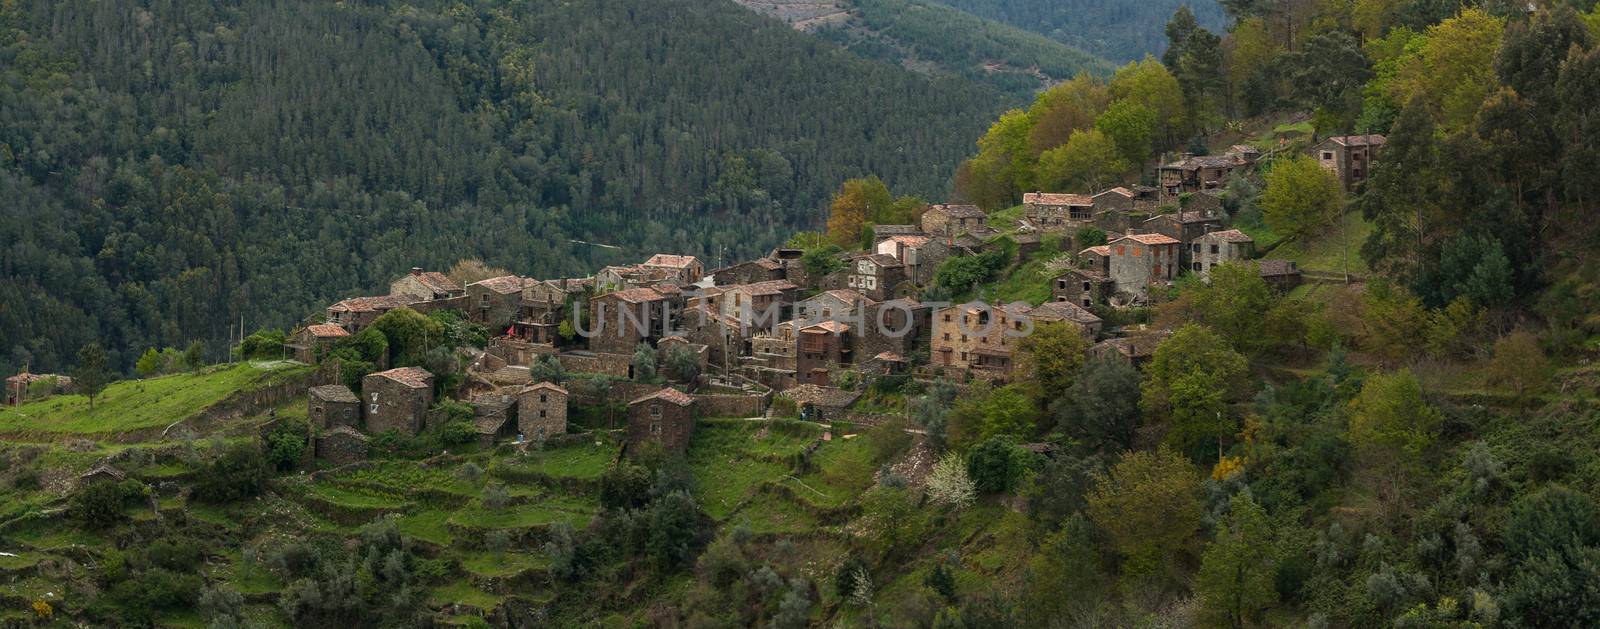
{"points": [[950, 484], [99, 505], [496, 497], [996, 464], [240, 472]]}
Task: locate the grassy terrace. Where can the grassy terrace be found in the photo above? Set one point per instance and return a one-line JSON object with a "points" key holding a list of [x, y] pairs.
{"points": [[731, 458], [138, 404]]}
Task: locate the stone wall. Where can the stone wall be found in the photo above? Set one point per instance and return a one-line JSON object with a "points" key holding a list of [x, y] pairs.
{"points": [[584, 392], [602, 363], [729, 405]]}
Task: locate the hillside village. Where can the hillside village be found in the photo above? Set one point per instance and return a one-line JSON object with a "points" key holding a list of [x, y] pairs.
{"points": [[789, 323]]}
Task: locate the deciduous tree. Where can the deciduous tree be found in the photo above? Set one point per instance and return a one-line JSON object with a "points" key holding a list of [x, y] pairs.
{"points": [[1301, 198], [1149, 505]]}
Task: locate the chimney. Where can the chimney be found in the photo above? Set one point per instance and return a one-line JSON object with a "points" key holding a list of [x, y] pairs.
{"points": [[416, 270]]}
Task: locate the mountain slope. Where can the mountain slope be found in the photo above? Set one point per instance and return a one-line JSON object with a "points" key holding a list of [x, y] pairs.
{"points": [[1119, 30], [170, 170], [934, 39]]}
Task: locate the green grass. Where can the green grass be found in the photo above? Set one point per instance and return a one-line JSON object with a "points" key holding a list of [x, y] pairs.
{"points": [[404, 477], [427, 525], [724, 470], [347, 497], [1333, 250], [574, 511], [1005, 220], [463, 593], [136, 404], [585, 461], [1029, 282], [502, 564], [842, 469], [768, 513]]}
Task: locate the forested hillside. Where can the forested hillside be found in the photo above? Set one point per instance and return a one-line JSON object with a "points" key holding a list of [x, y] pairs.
{"points": [[934, 39], [1119, 30], [167, 168]]}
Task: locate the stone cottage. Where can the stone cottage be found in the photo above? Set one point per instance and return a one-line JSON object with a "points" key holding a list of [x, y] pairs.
{"points": [[1140, 261], [425, 286], [620, 320], [356, 313], [681, 270], [666, 416], [541, 411], [397, 399], [1087, 323], [310, 343], [1219, 247], [493, 303], [1051, 211], [333, 405], [1084, 287], [951, 220], [1350, 157], [341, 445]]}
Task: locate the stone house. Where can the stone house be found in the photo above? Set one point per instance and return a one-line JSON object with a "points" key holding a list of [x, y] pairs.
{"points": [[1127, 199], [341, 445], [1134, 351], [874, 275], [898, 326], [1056, 211], [1196, 173], [881, 233], [333, 405], [841, 304], [310, 343], [493, 303], [976, 338], [666, 416], [1184, 227], [681, 270], [1219, 247], [1088, 323], [761, 305], [1139, 261], [1084, 287], [1350, 157], [1096, 258], [620, 320], [1281, 275], [620, 277], [777, 348], [423, 285], [541, 308], [820, 403], [823, 348], [17, 387], [725, 338], [908, 250], [951, 220], [356, 313], [397, 399], [541, 411], [750, 272], [493, 416]]}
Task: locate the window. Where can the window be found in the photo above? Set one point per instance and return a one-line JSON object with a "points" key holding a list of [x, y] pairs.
{"points": [[1085, 287], [963, 356], [542, 399], [1196, 266], [1137, 252], [963, 338], [1086, 303], [1213, 250], [541, 415], [946, 336], [655, 428], [655, 410], [1327, 155], [1061, 284], [947, 317], [1120, 250], [484, 301]]}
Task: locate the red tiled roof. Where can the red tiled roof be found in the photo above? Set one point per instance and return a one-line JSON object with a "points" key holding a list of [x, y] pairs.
{"points": [[1372, 139], [1100, 250], [505, 284], [1229, 235], [1151, 239], [369, 304], [849, 297], [910, 241], [326, 330], [544, 386], [635, 295], [671, 261], [769, 287], [414, 377], [1057, 198], [1119, 190], [833, 327], [669, 395]]}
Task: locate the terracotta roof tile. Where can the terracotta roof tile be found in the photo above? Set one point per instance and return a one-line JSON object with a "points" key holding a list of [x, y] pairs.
{"points": [[671, 261], [1151, 239], [668, 394], [1064, 311], [414, 377], [326, 330], [1057, 198], [370, 304], [636, 295], [545, 386], [505, 284]]}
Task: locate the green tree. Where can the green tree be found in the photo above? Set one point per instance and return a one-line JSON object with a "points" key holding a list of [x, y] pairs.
{"points": [[410, 335], [996, 464], [1393, 428], [858, 202], [1233, 303], [1088, 161], [1238, 571], [194, 355], [1190, 382], [1302, 198], [1519, 364], [1006, 410], [1150, 84], [1132, 127], [1149, 505], [1101, 409], [683, 364], [1454, 68], [644, 363], [91, 375], [239, 472], [1051, 357], [262, 345], [149, 364]]}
